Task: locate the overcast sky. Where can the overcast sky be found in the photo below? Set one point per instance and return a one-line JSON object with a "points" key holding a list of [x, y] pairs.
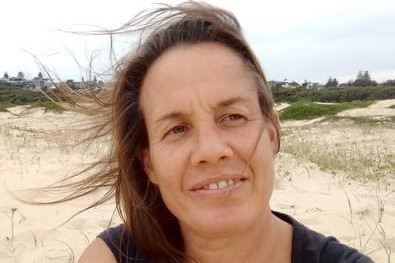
{"points": [[295, 40]]}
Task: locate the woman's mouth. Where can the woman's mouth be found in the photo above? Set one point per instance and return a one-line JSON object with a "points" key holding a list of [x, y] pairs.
{"points": [[221, 187], [221, 184]]}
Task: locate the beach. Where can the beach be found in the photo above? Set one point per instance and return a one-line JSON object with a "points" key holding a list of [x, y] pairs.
{"points": [[336, 175]]}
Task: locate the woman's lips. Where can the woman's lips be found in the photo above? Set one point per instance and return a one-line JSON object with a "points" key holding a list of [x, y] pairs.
{"points": [[218, 182], [220, 187]]}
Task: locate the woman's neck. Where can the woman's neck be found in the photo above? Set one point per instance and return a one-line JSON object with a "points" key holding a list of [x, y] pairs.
{"points": [[269, 241]]}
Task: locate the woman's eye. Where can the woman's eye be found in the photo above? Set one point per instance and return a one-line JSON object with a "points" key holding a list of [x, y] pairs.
{"points": [[177, 130], [233, 119]]}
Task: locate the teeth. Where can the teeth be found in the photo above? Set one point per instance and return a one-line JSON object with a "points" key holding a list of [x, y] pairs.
{"points": [[212, 186], [222, 184], [219, 185]]}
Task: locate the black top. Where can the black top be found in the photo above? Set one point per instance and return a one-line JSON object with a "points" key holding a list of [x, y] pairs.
{"points": [[308, 246]]}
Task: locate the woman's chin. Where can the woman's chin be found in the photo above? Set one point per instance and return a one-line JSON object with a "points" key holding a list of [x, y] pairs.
{"points": [[218, 224]]}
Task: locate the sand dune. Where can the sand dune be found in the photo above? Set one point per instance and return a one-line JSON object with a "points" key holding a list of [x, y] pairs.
{"points": [[354, 201], [381, 109]]}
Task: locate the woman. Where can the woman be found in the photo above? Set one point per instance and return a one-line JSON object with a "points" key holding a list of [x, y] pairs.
{"points": [[195, 139]]}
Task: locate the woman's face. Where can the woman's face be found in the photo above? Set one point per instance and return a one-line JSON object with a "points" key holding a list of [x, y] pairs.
{"points": [[210, 150]]}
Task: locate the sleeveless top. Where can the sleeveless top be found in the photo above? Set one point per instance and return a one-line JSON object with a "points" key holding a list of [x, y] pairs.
{"points": [[308, 246]]}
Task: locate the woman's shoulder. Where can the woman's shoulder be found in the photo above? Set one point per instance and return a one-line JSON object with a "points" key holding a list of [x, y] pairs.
{"points": [[309, 246], [113, 245], [97, 251]]}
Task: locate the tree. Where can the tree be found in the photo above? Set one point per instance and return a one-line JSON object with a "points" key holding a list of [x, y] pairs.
{"points": [[21, 75], [389, 82], [40, 75], [366, 76], [360, 75], [5, 76], [364, 79], [335, 82], [329, 82], [332, 82]]}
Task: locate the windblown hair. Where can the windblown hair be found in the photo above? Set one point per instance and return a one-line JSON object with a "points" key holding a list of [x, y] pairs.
{"points": [[154, 229]]}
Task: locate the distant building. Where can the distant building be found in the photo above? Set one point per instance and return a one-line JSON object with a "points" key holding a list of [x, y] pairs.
{"points": [[70, 83], [292, 84], [4, 81], [42, 83], [284, 84], [17, 82], [311, 85]]}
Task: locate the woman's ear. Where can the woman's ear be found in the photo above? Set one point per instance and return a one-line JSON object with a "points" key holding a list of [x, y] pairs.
{"points": [[274, 132], [145, 159]]}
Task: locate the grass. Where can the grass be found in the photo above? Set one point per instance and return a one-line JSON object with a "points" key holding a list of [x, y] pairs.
{"points": [[365, 121], [362, 121], [13, 96], [4, 106], [362, 157], [347, 158], [306, 110], [48, 105], [392, 106]]}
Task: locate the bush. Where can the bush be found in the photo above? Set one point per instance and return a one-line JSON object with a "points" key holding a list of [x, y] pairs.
{"points": [[347, 94], [11, 96], [305, 110], [4, 106]]}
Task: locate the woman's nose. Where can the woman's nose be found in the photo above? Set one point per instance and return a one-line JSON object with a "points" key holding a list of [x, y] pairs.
{"points": [[210, 146]]}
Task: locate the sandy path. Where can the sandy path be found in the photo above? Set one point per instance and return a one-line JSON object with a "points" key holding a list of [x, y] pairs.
{"points": [[379, 109]]}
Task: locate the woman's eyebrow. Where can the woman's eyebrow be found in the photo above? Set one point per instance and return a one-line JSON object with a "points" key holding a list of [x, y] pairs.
{"points": [[231, 101], [222, 104], [170, 116]]}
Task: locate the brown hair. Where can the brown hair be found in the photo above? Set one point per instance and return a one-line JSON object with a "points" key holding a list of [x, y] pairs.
{"points": [[154, 229]]}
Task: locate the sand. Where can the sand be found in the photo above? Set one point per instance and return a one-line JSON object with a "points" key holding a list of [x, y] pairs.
{"points": [[36, 150]]}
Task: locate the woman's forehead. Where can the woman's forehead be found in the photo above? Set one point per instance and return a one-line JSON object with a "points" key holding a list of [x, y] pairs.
{"points": [[196, 62], [208, 72]]}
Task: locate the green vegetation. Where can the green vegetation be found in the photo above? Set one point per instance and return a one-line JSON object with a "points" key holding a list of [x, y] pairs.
{"points": [[4, 106], [366, 121], [48, 105], [346, 94], [392, 106], [363, 121], [305, 110], [352, 158], [342, 146], [19, 96], [12, 96]]}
